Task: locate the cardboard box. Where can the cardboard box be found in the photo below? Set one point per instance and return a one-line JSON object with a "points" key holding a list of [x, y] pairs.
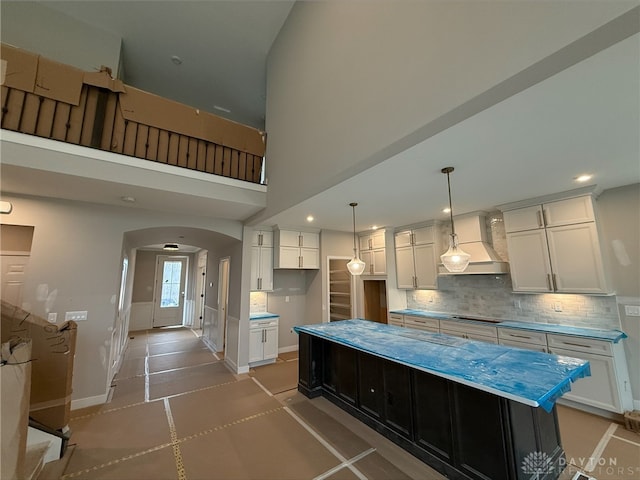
{"points": [[53, 351], [45, 98]]}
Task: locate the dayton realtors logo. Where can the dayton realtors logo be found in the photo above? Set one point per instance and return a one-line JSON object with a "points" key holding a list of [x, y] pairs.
{"points": [[537, 463]]}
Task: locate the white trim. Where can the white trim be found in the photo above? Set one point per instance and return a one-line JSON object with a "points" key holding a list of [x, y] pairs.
{"points": [[89, 401], [628, 300], [231, 365], [291, 348]]}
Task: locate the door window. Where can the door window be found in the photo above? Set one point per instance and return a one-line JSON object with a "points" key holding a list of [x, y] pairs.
{"points": [[171, 273]]}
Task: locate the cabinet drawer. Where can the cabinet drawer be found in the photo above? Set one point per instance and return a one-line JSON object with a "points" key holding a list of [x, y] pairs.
{"points": [[579, 344], [422, 323], [259, 324], [471, 328], [482, 338], [525, 336], [527, 346], [395, 319]]}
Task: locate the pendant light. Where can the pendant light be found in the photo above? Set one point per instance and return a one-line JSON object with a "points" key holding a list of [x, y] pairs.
{"points": [[355, 266], [454, 260]]}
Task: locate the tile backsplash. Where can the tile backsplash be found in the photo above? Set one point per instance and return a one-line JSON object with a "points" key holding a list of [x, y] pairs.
{"points": [[491, 296], [258, 302]]}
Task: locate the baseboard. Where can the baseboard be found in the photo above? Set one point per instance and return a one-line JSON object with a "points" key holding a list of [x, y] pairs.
{"points": [[233, 366], [291, 348], [88, 401]]}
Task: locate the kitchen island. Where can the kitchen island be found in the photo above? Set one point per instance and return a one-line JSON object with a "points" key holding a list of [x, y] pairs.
{"points": [[470, 410]]}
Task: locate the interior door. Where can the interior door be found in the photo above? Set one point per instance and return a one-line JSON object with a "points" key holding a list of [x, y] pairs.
{"points": [[13, 277], [168, 307], [223, 303]]}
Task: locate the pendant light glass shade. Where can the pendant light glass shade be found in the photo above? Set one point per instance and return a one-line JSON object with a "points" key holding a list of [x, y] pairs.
{"points": [[355, 266], [455, 260]]}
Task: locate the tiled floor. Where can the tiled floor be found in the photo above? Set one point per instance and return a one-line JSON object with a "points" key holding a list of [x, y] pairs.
{"points": [[178, 413]]}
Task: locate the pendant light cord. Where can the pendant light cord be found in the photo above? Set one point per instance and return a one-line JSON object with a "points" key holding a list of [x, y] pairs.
{"points": [[448, 170], [353, 207]]}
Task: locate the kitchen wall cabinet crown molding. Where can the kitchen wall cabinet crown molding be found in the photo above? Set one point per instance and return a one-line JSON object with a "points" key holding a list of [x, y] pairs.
{"points": [[416, 252], [296, 249], [262, 260], [373, 252], [555, 246]]}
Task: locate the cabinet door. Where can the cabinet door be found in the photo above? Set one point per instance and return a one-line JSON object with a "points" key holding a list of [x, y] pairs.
{"points": [[405, 270], [310, 257], [255, 268], [365, 242], [270, 345], [529, 218], [601, 388], [433, 432], [370, 385], [266, 239], [569, 211], [289, 257], [576, 260], [289, 238], [397, 396], [266, 268], [309, 240], [379, 262], [403, 239], [256, 350], [426, 267], [377, 240], [423, 235], [367, 257], [529, 261]]}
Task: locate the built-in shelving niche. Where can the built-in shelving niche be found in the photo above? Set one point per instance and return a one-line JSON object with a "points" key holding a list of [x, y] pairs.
{"points": [[340, 291]]}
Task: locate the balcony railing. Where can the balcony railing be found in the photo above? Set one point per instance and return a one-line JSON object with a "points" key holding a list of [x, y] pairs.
{"points": [[56, 101]]}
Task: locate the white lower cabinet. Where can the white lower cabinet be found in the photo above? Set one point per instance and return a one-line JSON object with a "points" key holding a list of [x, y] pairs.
{"points": [[422, 323], [263, 341], [396, 319], [470, 330], [529, 340], [608, 386]]}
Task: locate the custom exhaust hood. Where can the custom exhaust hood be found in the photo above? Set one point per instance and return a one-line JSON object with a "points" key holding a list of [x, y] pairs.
{"points": [[472, 236]]}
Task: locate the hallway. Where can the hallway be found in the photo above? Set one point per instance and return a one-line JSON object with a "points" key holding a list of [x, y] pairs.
{"points": [[177, 412]]}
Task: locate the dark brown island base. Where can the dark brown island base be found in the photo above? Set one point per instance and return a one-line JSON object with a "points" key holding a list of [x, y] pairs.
{"points": [[470, 410]]}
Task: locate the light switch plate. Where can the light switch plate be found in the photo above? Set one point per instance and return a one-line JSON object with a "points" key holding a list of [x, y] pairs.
{"points": [[52, 317], [632, 310]]}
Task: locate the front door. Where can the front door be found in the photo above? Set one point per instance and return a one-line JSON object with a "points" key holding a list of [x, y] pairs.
{"points": [[168, 306]]}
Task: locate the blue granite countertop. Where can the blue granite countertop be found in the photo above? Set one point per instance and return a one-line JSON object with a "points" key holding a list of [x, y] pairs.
{"points": [[534, 378], [262, 315], [610, 335]]}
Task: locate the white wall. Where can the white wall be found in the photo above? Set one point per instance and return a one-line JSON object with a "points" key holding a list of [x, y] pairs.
{"points": [[341, 99], [76, 257], [35, 27]]}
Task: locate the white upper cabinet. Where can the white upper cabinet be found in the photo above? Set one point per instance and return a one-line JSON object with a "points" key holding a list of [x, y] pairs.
{"points": [[262, 261], [296, 250], [416, 258], [373, 253], [554, 247]]}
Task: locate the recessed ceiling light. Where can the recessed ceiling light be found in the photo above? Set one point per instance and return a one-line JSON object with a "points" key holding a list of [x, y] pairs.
{"points": [[310, 218], [176, 60], [583, 178], [446, 210], [374, 227], [128, 199]]}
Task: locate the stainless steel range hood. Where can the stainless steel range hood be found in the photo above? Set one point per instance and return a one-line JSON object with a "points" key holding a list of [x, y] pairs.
{"points": [[472, 238]]}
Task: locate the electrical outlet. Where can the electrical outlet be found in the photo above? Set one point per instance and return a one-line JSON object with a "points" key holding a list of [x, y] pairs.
{"points": [[632, 310], [557, 307], [76, 316], [52, 317], [516, 303]]}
